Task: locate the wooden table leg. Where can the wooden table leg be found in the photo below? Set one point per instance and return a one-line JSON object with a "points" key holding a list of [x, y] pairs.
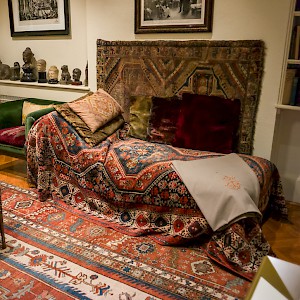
{"points": [[1, 225]]}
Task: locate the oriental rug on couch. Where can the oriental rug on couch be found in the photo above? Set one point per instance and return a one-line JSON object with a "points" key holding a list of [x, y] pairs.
{"points": [[55, 251]]}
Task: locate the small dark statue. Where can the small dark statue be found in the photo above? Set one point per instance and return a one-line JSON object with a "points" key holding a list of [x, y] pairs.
{"points": [[4, 71], [29, 66], [65, 75], [76, 77], [86, 80], [15, 72]]}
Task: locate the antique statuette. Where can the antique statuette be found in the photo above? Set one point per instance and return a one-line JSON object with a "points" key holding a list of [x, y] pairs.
{"points": [[53, 75], [29, 67], [15, 72], [41, 68], [4, 71], [76, 77], [65, 75]]}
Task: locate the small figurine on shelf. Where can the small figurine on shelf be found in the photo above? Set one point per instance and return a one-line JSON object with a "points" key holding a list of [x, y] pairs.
{"points": [[41, 68], [4, 71], [53, 75], [76, 77], [86, 80], [29, 68], [65, 75], [15, 72]]}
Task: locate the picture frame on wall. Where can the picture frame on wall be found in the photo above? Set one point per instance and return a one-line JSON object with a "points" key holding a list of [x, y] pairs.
{"points": [[38, 17], [156, 16]]}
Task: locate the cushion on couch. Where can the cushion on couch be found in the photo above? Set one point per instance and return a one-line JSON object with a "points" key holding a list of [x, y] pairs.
{"points": [[97, 109], [208, 123], [139, 116], [92, 138], [29, 107], [14, 136], [163, 119]]}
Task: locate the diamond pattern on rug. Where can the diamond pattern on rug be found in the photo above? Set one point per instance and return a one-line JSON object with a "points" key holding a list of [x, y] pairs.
{"points": [[76, 257], [202, 267], [23, 204]]}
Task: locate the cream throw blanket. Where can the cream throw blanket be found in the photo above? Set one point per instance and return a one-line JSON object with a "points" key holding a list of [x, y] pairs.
{"points": [[225, 188]]}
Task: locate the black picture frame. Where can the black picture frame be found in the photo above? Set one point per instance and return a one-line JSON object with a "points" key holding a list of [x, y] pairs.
{"points": [[42, 20], [152, 16]]}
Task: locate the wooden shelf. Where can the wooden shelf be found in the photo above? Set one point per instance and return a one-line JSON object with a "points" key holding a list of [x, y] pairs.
{"points": [[287, 107], [288, 82], [293, 61], [46, 85]]}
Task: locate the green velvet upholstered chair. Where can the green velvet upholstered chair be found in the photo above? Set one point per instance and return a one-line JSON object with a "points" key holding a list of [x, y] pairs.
{"points": [[11, 116]]}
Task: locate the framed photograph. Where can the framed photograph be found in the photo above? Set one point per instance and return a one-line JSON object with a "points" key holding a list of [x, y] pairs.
{"points": [[153, 16], [38, 17]]}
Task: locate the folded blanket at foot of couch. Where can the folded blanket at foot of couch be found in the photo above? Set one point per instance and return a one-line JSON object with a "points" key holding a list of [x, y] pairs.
{"points": [[225, 188]]}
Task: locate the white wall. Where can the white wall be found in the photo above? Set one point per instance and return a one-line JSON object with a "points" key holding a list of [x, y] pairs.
{"points": [[265, 20], [114, 20]]}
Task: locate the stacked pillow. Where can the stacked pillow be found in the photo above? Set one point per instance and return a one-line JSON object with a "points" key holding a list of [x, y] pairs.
{"points": [[140, 112], [163, 119], [13, 136], [94, 116], [97, 109], [199, 122], [154, 118], [208, 123]]}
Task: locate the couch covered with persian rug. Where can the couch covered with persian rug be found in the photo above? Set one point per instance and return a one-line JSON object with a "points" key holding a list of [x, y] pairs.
{"points": [[164, 148]]}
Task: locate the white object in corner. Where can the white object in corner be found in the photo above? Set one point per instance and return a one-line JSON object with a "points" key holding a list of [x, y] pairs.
{"points": [[264, 290]]}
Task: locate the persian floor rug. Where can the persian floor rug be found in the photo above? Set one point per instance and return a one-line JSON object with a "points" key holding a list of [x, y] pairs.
{"points": [[57, 252]]}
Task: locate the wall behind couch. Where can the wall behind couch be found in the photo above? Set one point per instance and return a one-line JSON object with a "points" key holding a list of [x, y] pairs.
{"points": [[114, 20]]}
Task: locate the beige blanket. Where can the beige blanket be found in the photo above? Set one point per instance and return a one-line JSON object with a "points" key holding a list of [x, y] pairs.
{"points": [[225, 188]]}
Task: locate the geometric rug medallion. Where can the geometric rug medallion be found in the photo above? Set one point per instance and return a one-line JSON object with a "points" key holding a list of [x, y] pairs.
{"points": [[57, 252]]}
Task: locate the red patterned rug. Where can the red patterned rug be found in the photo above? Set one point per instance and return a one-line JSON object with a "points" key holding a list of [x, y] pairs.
{"points": [[57, 252]]}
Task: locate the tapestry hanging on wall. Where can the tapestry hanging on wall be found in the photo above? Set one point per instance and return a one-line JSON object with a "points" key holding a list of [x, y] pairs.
{"points": [[228, 69]]}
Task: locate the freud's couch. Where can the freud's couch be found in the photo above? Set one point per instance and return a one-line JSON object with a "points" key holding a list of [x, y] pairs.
{"points": [[16, 118], [81, 154]]}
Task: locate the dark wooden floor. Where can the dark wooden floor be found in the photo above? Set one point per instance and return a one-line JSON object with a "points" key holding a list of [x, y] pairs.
{"points": [[284, 237]]}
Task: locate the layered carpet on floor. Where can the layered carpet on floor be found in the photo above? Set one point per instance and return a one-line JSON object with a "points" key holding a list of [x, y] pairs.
{"points": [[57, 252]]}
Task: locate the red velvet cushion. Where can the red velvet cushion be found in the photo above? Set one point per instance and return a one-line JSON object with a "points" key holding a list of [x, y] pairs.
{"points": [[163, 119], [14, 136], [208, 123]]}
